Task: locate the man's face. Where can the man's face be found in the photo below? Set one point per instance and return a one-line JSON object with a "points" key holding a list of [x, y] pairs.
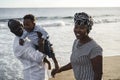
{"points": [[16, 28], [28, 25]]}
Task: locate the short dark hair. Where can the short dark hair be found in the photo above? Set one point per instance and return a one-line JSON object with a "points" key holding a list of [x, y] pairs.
{"points": [[29, 16], [13, 23]]}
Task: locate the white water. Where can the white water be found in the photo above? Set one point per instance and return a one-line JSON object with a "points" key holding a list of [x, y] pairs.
{"points": [[106, 32]]}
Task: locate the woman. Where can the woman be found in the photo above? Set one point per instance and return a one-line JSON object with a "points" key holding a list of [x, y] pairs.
{"points": [[86, 58]]}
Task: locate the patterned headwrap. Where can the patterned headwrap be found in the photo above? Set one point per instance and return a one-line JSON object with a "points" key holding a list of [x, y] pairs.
{"points": [[83, 19]]}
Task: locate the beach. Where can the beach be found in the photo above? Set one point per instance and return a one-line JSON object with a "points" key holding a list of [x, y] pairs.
{"points": [[111, 70], [59, 23]]}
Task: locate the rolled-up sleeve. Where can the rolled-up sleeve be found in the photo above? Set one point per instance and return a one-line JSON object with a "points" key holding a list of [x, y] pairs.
{"points": [[31, 54]]}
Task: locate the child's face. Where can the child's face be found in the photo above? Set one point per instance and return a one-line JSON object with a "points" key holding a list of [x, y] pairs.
{"points": [[28, 25]]}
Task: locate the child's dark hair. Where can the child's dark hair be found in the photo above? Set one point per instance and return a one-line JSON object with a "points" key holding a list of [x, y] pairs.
{"points": [[29, 16]]}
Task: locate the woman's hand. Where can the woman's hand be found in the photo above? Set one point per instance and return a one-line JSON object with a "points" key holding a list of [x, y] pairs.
{"points": [[63, 68]]}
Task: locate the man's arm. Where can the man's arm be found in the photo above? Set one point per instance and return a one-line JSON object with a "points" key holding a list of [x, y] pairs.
{"points": [[29, 53], [33, 54]]}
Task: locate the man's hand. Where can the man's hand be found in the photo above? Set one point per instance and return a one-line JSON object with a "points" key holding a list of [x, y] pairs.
{"points": [[39, 34], [41, 42], [41, 45], [55, 71], [21, 42]]}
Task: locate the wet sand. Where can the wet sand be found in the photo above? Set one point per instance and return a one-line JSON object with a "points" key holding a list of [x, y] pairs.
{"points": [[111, 70]]}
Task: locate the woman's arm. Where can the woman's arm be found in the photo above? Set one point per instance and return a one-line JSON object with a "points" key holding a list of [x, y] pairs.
{"points": [[97, 67], [63, 68]]}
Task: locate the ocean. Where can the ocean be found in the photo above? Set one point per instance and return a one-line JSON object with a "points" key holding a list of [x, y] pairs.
{"points": [[58, 22]]}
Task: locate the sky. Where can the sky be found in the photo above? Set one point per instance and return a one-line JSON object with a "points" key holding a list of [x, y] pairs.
{"points": [[59, 3]]}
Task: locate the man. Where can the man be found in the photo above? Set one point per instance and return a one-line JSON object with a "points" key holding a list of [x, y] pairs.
{"points": [[32, 60]]}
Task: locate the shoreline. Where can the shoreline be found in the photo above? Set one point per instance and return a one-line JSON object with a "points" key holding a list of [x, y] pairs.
{"points": [[111, 70]]}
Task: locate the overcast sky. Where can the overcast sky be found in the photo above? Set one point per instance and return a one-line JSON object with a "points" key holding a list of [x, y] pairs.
{"points": [[59, 3]]}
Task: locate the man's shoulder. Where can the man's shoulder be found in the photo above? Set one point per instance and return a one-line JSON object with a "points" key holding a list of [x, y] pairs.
{"points": [[16, 41]]}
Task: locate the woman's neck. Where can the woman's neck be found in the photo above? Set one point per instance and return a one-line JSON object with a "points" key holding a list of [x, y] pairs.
{"points": [[85, 40]]}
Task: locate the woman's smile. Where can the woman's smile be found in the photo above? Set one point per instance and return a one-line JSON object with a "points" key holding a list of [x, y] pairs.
{"points": [[77, 34]]}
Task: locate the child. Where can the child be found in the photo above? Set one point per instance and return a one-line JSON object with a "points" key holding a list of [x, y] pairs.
{"points": [[34, 33]]}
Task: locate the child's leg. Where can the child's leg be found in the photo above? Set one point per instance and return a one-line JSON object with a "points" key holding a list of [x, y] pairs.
{"points": [[52, 55], [55, 62], [48, 62]]}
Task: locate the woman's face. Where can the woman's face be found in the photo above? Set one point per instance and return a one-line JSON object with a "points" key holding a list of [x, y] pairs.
{"points": [[80, 31], [28, 25]]}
